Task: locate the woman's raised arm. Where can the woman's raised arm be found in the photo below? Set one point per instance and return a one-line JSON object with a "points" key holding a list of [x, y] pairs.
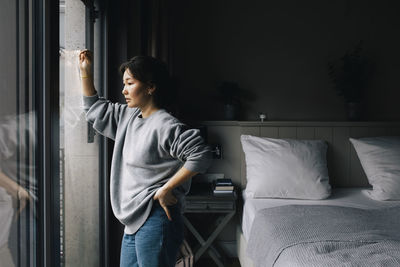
{"points": [[85, 66], [101, 113]]}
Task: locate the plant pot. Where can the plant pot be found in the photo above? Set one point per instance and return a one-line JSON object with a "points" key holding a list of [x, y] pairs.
{"points": [[354, 111], [230, 112]]}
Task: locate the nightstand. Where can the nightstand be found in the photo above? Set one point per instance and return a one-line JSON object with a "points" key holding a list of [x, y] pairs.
{"points": [[222, 207]]}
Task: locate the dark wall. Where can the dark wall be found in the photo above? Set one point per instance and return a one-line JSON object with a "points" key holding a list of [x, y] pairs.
{"points": [[278, 52], [123, 40]]}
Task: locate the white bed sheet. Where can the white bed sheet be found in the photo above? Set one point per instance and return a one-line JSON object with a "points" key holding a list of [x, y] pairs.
{"points": [[344, 197]]}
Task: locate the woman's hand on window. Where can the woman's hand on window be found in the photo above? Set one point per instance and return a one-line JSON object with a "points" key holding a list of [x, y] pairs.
{"points": [[85, 62]]}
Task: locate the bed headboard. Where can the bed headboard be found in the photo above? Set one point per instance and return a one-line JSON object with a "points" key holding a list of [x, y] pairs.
{"points": [[344, 167]]}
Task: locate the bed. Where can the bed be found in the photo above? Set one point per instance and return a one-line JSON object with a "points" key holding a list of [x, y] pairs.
{"points": [[352, 226], [341, 197]]}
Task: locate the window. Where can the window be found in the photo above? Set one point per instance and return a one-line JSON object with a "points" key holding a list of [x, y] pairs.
{"points": [[49, 169], [28, 217]]}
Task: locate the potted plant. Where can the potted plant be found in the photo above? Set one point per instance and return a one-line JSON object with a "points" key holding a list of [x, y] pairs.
{"points": [[350, 78], [229, 95]]}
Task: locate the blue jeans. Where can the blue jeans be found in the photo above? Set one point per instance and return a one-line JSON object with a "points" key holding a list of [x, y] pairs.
{"points": [[157, 241]]}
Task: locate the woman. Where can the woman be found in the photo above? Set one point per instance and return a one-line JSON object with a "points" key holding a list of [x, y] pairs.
{"points": [[154, 157]]}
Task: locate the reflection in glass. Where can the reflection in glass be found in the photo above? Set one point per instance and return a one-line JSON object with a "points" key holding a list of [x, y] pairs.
{"points": [[18, 190]]}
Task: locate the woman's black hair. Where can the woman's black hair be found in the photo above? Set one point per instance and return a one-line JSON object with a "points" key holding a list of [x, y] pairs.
{"points": [[154, 72]]}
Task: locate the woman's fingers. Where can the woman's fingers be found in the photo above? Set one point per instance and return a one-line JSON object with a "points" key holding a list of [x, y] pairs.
{"points": [[85, 54], [171, 200], [84, 51], [167, 212], [85, 62], [165, 198], [167, 201]]}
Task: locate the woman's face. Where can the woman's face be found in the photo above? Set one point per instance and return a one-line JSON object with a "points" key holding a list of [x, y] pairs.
{"points": [[136, 93]]}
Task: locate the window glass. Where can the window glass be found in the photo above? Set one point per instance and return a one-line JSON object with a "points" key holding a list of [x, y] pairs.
{"points": [[79, 149], [18, 140]]}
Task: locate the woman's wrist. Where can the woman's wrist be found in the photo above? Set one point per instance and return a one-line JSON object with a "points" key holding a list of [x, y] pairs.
{"points": [[85, 74], [167, 187]]}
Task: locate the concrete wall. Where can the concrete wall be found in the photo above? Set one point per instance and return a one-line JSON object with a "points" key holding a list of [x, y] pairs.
{"points": [[278, 51], [81, 160]]}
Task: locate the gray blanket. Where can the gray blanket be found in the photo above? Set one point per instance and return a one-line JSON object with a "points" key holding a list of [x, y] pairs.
{"points": [[313, 235]]}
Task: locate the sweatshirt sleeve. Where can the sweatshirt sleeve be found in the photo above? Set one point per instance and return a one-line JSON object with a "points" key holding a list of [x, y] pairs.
{"points": [[103, 115], [188, 146]]}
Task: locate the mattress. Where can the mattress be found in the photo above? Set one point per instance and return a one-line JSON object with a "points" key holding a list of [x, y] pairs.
{"points": [[345, 197]]}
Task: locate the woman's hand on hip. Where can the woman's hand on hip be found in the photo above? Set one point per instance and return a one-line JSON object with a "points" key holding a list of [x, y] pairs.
{"points": [[165, 198]]}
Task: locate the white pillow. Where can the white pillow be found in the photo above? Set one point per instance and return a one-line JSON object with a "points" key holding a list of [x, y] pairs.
{"points": [[285, 168], [380, 159]]}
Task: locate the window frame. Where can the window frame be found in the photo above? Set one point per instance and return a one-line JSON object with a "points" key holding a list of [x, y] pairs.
{"points": [[45, 73], [38, 72]]}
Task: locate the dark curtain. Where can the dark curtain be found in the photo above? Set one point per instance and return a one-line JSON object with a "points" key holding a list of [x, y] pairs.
{"points": [[156, 41], [156, 30]]}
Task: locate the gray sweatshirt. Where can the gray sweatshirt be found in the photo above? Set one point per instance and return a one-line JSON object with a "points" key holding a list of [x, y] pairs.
{"points": [[147, 153]]}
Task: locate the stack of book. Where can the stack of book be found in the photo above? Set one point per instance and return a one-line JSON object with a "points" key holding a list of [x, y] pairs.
{"points": [[223, 187]]}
